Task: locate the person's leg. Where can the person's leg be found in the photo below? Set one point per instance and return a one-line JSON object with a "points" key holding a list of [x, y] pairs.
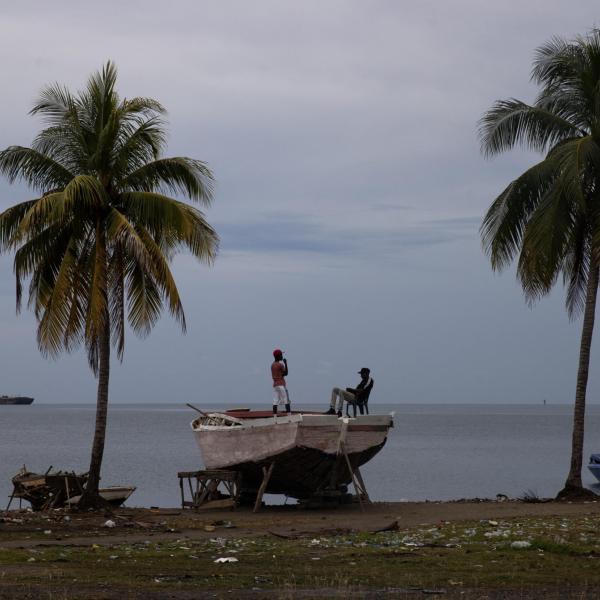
{"points": [[348, 397], [287, 401], [278, 397], [353, 408], [335, 394]]}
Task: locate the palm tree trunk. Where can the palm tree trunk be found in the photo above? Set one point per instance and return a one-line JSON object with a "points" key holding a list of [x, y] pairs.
{"points": [[573, 485], [90, 497]]}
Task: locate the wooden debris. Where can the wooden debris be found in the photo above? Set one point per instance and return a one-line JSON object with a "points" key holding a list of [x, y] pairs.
{"points": [[50, 490], [59, 489]]}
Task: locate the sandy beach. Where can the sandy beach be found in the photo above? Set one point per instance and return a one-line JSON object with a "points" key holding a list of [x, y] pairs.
{"points": [[466, 549]]}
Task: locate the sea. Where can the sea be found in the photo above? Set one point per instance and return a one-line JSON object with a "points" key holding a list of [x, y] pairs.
{"points": [[434, 452]]}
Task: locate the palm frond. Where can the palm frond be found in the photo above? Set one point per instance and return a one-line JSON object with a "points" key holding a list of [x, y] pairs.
{"points": [[55, 104], [576, 268], [505, 221], [144, 301], [55, 312], [512, 122], [10, 220], [39, 258], [39, 171], [140, 142], [545, 240], [97, 309], [553, 62], [144, 106], [177, 175], [116, 286], [163, 277]]}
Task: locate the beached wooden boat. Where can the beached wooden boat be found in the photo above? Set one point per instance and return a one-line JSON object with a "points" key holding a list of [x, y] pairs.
{"points": [[57, 489], [306, 452], [115, 495]]}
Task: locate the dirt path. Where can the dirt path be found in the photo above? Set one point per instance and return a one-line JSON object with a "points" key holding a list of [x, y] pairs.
{"points": [[139, 525]]}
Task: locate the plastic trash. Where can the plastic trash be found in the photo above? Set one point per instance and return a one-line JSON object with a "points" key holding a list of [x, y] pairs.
{"points": [[520, 545], [226, 559], [110, 524]]}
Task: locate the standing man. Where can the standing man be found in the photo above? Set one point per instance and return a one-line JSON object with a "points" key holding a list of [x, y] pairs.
{"points": [[279, 370]]}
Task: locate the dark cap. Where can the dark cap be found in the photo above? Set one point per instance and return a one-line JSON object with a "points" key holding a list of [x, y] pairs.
{"points": [[364, 370], [277, 352]]}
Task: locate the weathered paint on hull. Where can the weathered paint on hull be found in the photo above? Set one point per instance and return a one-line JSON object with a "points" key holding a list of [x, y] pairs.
{"points": [[300, 472], [305, 449]]}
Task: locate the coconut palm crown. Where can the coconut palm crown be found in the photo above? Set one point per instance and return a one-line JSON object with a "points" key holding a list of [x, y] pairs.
{"points": [[548, 218], [96, 245]]}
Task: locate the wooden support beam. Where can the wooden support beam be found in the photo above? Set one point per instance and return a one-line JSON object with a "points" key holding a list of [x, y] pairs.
{"points": [[263, 486], [204, 488], [357, 480]]}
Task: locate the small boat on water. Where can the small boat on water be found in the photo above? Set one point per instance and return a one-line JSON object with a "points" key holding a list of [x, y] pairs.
{"points": [[594, 465], [303, 447], [15, 400]]}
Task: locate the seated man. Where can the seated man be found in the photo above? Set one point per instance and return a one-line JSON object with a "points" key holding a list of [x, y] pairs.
{"points": [[355, 396]]}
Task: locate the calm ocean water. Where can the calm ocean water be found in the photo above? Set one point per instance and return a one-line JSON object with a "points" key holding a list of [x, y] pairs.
{"points": [[435, 452]]}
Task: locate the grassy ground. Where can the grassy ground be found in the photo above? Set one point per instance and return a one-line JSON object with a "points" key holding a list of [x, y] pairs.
{"points": [[532, 557]]}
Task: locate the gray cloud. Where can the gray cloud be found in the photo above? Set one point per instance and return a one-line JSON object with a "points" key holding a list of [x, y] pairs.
{"points": [[350, 188]]}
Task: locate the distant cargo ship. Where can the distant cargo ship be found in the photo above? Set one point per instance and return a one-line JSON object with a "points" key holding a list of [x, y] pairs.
{"points": [[15, 400]]}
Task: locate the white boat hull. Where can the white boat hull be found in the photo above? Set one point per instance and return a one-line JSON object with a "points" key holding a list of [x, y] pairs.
{"points": [[304, 447]]}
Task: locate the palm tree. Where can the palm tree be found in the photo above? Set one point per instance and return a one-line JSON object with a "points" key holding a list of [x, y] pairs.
{"points": [[96, 245], [550, 215]]}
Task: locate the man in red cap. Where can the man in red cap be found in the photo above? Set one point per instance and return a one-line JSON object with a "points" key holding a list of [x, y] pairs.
{"points": [[279, 370]]}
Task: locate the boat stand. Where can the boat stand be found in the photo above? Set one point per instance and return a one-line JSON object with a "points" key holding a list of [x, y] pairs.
{"points": [[267, 472], [335, 494], [204, 489], [360, 489]]}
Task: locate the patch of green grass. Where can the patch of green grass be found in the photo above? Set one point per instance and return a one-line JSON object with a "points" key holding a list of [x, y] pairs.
{"points": [[455, 555], [569, 549]]}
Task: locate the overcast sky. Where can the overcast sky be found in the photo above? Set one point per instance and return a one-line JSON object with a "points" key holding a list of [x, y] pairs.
{"points": [[350, 190]]}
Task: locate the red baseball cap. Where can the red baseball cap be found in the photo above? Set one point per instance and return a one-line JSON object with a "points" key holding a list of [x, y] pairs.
{"points": [[277, 351]]}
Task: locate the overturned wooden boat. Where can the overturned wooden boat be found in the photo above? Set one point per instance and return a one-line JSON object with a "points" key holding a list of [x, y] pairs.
{"points": [[305, 453]]}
